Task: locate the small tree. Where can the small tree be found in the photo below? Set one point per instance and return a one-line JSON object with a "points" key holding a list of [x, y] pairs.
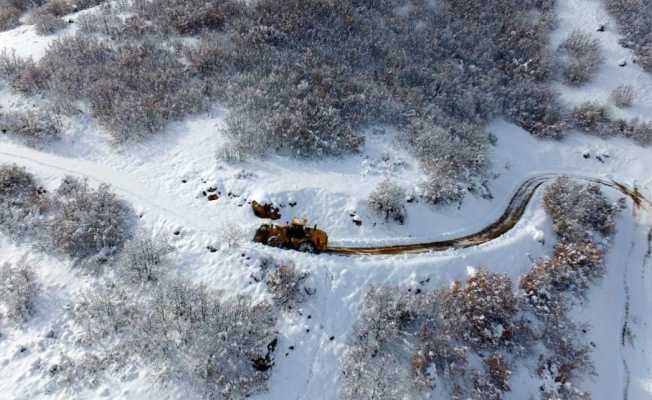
{"points": [[387, 200]]}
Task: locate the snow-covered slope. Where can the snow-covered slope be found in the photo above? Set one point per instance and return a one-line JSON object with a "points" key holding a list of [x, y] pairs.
{"points": [[164, 177]]}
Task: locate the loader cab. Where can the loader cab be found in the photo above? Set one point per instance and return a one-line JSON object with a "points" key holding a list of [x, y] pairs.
{"points": [[297, 228]]}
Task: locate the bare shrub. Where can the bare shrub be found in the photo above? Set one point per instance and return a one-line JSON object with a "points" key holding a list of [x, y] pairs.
{"points": [[223, 347], [578, 210], [388, 200], [581, 57], [18, 289], [287, 285], [623, 96], [88, 221], [35, 128], [142, 259]]}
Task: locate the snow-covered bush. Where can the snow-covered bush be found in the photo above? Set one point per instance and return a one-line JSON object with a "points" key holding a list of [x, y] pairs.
{"points": [[388, 201], [635, 22], [133, 89], [402, 337], [22, 201], [595, 119], [23, 74], [12, 10], [181, 330], [9, 17], [592, 118], [569, 272], [481, 312], [454, 160], [374, 366], [35, 128], [639, 131], [623, 96], [88, 221], [186, 17], [578, 210], [142, 258], [18, 289], [46, 23], [581, 57], [287, 285]]}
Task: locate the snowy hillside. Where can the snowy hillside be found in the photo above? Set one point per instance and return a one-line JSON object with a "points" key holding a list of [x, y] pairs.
{"points": [[160, 292]]}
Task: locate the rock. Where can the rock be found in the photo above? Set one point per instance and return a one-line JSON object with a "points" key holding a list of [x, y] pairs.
{"points": [[213, 197], [211, 249]]}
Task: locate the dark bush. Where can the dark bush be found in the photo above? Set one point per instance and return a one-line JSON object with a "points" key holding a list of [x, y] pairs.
{"points": [[88, 221], [18, 289], [577, 210], [388, 201], [581, 57]]}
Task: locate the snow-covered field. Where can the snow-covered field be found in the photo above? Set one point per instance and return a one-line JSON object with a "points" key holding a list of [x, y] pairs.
{"points": [[163, 178]]}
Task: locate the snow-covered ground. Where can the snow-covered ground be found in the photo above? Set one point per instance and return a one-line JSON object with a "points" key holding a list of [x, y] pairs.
{"points": [[163, 178]]}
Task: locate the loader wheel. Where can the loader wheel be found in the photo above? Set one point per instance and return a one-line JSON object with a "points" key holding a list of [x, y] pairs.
{"points": [[274, 241], [307, 247]]}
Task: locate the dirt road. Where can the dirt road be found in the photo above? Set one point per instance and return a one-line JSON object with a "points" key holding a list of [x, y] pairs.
{"points": [[510, 217]]}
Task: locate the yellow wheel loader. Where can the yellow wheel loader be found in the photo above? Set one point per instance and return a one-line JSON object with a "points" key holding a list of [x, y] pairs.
{"points": [[294, 236]]}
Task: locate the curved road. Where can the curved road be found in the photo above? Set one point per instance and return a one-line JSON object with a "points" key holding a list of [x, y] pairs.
{"points": [[131, 188], [512, 214]]}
